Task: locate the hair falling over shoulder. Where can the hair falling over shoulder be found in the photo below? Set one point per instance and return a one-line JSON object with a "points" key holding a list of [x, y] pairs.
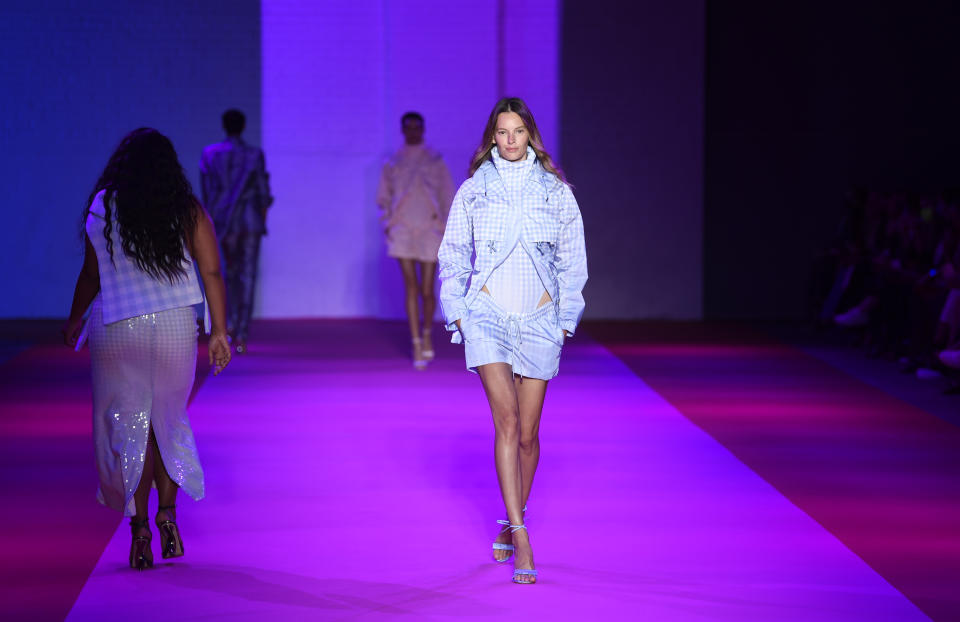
{"points": [[487, 143], [149, 199]]}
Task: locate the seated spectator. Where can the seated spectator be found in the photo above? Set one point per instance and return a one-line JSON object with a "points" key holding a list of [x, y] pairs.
{"points": [[896, 277]]}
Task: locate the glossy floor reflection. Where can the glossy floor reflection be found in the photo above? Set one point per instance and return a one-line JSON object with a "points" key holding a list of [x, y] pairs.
{"points": [[343, 485]]}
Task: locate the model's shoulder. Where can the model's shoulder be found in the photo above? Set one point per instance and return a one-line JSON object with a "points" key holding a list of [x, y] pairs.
{"points": [[483, 174], [245, 148], [472, 185], [551, 181], [433, 155], [215, 148], [548, 177], [485, 171], [393, 159], [469, 185]]}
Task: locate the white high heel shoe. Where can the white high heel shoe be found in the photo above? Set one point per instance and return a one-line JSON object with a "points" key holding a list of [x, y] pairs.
{"points": [[419, 363]]}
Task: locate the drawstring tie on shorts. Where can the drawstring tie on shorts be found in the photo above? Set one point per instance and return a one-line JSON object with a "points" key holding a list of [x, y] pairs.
{"points": [[514, 327]]}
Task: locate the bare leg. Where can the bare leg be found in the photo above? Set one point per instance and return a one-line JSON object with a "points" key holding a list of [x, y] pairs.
{"points": [[166, 487], [141, 495], [530, 396], [409, 269], [170, 542], [501, 393], [428, 272], [411, 292], [140, 549]]}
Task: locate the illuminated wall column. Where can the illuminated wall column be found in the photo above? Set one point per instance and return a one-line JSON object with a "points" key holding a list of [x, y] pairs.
{"points": [[322, 101], [529, 32]]}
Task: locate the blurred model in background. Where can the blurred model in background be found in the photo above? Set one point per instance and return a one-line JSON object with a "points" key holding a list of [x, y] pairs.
{"points": [[415, 192], [236, 193]]}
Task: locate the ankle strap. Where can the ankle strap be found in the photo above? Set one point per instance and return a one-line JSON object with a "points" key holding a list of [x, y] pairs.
{"points": [[139, 523], [167, 507], [512, 528]]}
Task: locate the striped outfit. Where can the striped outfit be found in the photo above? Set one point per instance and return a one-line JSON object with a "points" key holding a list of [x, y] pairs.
{"points": [[143, 350], [499, 227], [236, 193]]}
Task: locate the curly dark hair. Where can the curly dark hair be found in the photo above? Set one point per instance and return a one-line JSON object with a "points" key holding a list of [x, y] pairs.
{"points": [[156, 209]]}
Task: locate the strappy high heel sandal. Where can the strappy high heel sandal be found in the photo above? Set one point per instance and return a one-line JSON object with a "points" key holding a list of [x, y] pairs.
{"points": [[171, 544], [428, 353], [141, 556], [419, 363], [499, 546], [520, 572]]}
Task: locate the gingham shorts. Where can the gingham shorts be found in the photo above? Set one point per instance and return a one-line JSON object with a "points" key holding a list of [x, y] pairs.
{"points": [[529, 342]]}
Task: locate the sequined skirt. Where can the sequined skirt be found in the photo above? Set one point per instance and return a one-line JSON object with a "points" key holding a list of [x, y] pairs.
{"points": [[143, 370]]}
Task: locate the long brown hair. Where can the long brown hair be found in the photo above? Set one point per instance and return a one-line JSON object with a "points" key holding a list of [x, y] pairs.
{"points": [[149, 200], [487, 143]]}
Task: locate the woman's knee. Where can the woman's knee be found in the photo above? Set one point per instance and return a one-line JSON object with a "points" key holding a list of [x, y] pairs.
{"points": [[506, 420], [529, 440]]}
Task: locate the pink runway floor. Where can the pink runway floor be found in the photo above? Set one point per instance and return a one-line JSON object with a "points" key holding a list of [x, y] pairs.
{"points": [[343, 485]]}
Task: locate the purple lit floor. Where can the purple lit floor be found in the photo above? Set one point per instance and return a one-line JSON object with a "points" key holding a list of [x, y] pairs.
{"points": [[342, 485]]}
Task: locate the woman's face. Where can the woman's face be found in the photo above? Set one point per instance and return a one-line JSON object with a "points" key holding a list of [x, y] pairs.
{"points": [[511, 136]]}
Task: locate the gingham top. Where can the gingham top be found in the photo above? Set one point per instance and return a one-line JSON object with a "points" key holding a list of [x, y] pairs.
{"points": [[483, 226], [126, 290], [515, 284]]}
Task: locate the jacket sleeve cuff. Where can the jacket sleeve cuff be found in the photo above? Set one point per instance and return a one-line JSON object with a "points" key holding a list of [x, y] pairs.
{"points": [[569, 326], [457, 313], [454, 308]]}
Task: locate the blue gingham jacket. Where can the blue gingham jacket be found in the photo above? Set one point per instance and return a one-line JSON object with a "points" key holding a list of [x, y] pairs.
{"points": [[483, 228]]}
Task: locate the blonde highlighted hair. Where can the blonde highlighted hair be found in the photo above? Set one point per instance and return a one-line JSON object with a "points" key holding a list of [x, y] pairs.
{"points": [[487, 143]]}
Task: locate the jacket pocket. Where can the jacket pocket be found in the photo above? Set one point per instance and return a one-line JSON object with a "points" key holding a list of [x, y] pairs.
{"points": [[550, 326], [543, 225], [489, 233], [489, 224]]}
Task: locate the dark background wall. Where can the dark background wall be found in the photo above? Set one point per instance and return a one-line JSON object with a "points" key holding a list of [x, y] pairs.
{"points": [[76, 77], [710, 144], [804, 101], [631, 130]]}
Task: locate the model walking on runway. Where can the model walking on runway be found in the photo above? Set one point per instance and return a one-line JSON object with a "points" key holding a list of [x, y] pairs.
{"points": [[512, 269], [143, 230], [236, 192], [414, 193]]}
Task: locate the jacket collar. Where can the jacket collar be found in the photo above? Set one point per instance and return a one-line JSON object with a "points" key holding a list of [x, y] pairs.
{"points": [[492, 183]]}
